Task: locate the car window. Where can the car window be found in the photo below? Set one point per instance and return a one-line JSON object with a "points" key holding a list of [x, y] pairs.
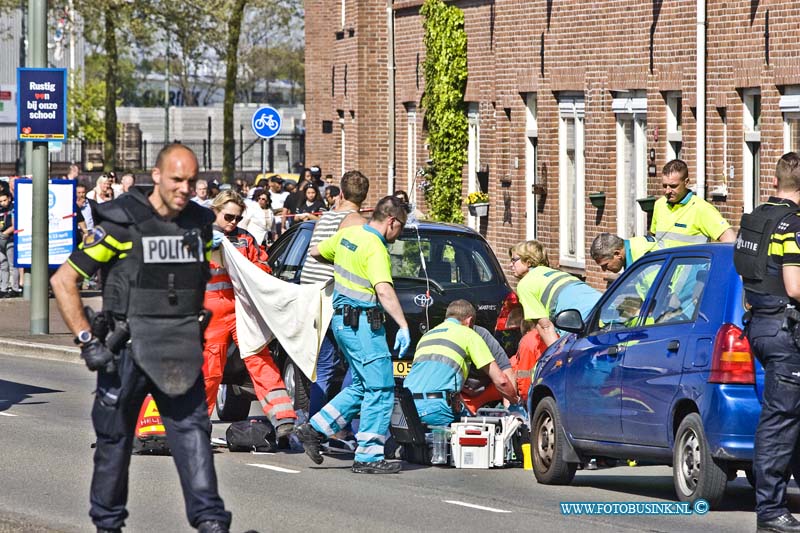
{"points": [[621, 307], [680, 292], [451, 260], [288, 256]]}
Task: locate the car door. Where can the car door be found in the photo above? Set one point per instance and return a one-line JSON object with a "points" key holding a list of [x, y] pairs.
{"points": [[594, 364], [653, 361]]}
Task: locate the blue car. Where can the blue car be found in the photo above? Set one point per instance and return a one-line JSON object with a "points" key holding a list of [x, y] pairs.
{"points": [[660, 373]]}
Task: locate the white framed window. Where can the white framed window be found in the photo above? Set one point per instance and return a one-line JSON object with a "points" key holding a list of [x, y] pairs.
{"points": [[751, 148], [631, 112], [473, 156], [411, 152], [531, 163], [571, 108], [790, 107], [674, 125]]}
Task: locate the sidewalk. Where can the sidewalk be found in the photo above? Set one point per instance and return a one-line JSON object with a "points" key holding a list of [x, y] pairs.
{"points": [[16, 337]]}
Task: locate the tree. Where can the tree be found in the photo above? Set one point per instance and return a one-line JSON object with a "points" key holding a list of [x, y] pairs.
{"points": [[272, 13], [85, 101]]}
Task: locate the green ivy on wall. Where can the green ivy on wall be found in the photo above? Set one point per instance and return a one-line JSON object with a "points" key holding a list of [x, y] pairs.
{"points": [[445, 70]]}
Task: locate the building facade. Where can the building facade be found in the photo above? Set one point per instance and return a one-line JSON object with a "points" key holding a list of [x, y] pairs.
{"points": [[566, 100]]}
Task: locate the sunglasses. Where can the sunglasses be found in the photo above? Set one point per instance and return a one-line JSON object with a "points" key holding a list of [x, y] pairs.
{"points": [[232, 218], [514, 260]]}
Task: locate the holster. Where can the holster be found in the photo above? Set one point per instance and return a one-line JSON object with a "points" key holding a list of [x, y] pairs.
{"points": [[791, 323], [351, 316], [375, 317]]}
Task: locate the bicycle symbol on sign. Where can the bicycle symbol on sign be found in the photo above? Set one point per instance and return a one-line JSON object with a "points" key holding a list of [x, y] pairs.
{"points": [[266, 120]]}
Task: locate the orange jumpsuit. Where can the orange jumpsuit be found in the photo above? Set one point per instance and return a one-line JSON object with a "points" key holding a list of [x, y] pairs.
{"points": [[531, 347], [219, 299]]}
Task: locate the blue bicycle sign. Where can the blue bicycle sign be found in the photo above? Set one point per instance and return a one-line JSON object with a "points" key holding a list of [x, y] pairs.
{"points": [[266, 122]]}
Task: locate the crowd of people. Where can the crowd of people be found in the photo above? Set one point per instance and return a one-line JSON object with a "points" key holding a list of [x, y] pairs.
{"points": [[346, 247]]}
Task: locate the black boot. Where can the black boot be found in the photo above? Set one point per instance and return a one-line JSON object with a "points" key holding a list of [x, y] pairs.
{"points": [[106, 530], [376, 467], [212, 526], [312, 441], [786, 523]]}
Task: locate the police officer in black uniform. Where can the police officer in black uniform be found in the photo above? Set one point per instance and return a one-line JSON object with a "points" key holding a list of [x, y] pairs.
{"points": [[153, 253], [767, 255]]}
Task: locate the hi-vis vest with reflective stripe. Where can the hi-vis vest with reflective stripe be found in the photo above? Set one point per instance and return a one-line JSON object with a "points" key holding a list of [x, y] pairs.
{"points": [[442, 345], [681, 222], [556, 281], [349, 271]]}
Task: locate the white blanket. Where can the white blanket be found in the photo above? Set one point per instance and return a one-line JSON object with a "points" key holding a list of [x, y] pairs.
{"points": [[267, 307]]}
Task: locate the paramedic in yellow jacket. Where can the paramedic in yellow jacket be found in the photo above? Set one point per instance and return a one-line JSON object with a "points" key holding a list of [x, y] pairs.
{"points": [[682, 216], [441, 364], [544, 292], [362, 291]]}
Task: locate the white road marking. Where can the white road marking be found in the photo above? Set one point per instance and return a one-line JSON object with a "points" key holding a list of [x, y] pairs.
{"points": [[275, 468], [479, 507], [6, 414]]}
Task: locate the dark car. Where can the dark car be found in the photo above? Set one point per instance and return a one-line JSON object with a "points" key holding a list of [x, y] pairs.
{"points": [[659, 373], [432, 265]]}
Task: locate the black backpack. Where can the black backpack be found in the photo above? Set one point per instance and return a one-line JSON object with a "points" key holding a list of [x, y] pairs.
{"points": [[251, 435]]}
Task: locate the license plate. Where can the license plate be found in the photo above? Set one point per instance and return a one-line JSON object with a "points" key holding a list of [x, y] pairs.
{"points": [[401, 368]]}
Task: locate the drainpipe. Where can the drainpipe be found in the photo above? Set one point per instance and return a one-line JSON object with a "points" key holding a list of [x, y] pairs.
{"points": [[391, 97], [701, 99]]}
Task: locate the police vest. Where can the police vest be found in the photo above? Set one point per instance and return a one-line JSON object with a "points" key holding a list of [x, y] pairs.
{"points": [[751, 250], [165, 272], [159, 286]]}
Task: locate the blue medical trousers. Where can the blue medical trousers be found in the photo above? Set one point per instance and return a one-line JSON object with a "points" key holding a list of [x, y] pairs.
{"points": [[776, 438], [371, 393], [117, 402]]}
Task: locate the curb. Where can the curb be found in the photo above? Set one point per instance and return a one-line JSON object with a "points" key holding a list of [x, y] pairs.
{"points": [[37, 350]]}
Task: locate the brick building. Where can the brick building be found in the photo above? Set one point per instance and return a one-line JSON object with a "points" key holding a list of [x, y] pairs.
{"points": [[566, 99]]}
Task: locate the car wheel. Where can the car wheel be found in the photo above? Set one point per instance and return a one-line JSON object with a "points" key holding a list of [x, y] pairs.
{"points": [[547, 438], [695, 473], [297, 385], [232, 407]]}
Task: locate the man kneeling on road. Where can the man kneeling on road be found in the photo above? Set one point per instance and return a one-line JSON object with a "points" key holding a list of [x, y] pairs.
{"points": [[441, 364]]}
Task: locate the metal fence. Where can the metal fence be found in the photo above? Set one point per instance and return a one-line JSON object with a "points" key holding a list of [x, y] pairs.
{"points": [[282, 153]]}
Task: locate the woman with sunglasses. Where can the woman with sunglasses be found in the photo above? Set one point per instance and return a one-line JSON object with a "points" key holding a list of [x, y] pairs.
{"points": [[219, 299], [544, 292]]}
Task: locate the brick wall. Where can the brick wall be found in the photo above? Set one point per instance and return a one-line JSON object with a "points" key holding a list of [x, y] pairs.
{"points": [[597, 48]]}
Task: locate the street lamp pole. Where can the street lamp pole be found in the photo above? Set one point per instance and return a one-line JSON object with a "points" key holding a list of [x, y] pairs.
{"points": [[166, 94], [40, 305]]}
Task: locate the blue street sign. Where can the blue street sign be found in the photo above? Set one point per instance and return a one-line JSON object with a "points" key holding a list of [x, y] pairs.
{"points": [[42, 104], [266, 122]]}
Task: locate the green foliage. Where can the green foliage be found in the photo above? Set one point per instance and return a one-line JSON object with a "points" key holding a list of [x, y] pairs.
{"points": [[445, 70], [85, 102]]}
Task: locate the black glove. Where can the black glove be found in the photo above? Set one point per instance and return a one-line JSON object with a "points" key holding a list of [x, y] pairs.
{"points": [[97, 356]]}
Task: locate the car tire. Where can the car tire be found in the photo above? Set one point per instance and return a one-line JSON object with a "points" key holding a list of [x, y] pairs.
{"points": [[547, 441], [695, 473], [297, 385], [232, 407]]}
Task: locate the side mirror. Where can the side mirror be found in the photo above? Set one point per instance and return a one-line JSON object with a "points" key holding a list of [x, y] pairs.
{"points": [[570, 320]]}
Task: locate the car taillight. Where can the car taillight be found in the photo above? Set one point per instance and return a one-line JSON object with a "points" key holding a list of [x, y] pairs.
{"points": [[732, 360], [510, 305]]}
